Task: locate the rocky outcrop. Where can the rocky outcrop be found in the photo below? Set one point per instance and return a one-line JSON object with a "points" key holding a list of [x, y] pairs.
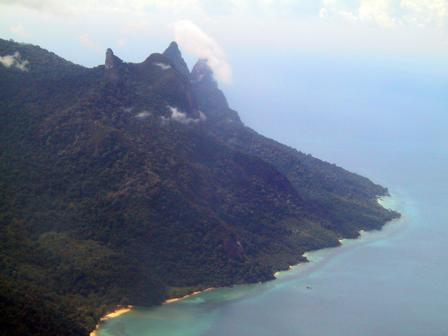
{"points": [[174, 55]]}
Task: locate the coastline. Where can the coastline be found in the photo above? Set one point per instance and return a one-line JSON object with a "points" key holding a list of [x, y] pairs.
{"points": [[180, 298], [384, 201], [117, 312], [123, 310]]}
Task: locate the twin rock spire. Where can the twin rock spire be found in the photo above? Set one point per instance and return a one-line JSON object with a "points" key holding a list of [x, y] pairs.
{"points": [[201, 71]]}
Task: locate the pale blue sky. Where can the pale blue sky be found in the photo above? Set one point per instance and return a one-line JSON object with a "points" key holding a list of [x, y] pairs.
{"points": [[81, 30]]}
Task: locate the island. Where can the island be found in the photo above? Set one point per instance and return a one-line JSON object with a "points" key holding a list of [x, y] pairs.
{"points": [[130, 184]]}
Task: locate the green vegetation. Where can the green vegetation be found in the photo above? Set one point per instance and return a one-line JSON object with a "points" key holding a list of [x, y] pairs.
{"points": [[107, 200]]}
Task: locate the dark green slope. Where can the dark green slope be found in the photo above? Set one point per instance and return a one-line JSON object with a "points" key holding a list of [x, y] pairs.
{"points": [[129, 183], [346, 202]]}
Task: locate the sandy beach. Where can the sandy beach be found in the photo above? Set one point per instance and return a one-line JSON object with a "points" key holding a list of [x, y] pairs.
{"points": [[118, 312], [123, 310], [187, 296]]}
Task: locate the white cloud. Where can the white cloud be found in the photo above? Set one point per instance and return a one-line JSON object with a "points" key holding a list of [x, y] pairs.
{"points": [[163, 66], [181, 117], [124, 6], [35, 4], [385, 13], [143, 115], [323, 13], [348, 16], [7, 60], [426, 12], [193, 40], [14, 60], [138, 27], [87, 41], [390, 13], [202, 116], [121, 43], [378, 12], [19, 30]]}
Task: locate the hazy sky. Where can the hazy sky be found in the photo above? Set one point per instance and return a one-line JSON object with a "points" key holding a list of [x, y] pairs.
{"points": [[81, 30], [321, 75]]}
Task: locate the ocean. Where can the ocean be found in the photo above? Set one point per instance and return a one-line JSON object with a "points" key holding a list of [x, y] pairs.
{"points": [[389, 126]]}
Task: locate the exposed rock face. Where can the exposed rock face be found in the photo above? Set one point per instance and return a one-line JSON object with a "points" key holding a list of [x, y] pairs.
{"points": [[208, 95], [112, 61], [174, 55], [112, 66], [202, 73]]}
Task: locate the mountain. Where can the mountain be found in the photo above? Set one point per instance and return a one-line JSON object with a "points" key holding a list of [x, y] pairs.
{"points": [[130, 183]]}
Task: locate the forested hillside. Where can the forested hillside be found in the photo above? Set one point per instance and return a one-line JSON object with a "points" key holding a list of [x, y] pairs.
{"points": [[129, 183]]}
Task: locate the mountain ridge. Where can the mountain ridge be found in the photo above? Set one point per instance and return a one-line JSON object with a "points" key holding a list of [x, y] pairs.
{"points": [[129, 183]]}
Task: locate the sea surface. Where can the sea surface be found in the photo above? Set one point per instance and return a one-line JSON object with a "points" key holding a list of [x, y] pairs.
{"points": [[392, 282]]}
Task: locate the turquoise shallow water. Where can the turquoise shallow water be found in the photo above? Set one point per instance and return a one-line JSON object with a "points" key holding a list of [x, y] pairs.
{"points": [[389, 283]]}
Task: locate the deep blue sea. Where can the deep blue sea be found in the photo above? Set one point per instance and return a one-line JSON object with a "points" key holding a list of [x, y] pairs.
{"points": [[389, 126]]}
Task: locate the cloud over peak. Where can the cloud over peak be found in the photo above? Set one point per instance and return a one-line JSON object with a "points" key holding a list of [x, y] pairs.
{"points": [[195, 41]]}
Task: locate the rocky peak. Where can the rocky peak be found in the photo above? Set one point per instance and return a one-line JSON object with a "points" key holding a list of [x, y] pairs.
{"points": [[111, 60], [175, 56], [211, 100], [202, 73]]}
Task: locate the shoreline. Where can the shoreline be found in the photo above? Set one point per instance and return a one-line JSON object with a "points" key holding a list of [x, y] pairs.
{"points": [[180, 298], [381, 200], [117, 312], [124, 310]]}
